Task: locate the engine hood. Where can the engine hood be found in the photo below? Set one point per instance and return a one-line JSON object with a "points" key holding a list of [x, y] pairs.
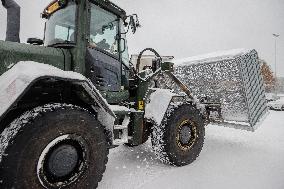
{"points": [[12, 53]]}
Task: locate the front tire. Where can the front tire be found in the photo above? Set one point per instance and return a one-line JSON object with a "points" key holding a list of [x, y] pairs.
{"points": [[54, 146], [179, 139]]}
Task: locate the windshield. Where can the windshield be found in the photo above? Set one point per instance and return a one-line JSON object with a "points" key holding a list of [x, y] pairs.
{"points": [[60, 27]]}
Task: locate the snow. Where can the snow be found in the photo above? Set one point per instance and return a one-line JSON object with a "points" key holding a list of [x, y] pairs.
{"points": [[230, 159], [17, 79], [21, 75], [271, 96], [229, 78], [117, 108], [212, 57], [235, 122], [159, 102], [277, 104]]}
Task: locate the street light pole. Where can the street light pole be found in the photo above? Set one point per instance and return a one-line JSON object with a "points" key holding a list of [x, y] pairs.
{"points": [[275, 66]]}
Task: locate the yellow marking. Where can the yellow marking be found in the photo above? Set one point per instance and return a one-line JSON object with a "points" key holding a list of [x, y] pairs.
{"points": [[53, 7], [140, 105], [195, 135]]}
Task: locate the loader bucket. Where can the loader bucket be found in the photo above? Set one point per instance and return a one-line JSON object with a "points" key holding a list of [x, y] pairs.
{"points": [[233, 79]]}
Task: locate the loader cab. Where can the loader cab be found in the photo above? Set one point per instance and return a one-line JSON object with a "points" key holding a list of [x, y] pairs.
{"points": [[96, 39], [107, 56]]}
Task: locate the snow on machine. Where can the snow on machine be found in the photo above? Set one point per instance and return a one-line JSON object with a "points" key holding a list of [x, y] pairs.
{"points": [[67, 99], [230, 79]]}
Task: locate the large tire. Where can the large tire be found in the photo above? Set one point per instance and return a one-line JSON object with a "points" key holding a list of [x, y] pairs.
{"points": [[34, 147], [179, 139]]}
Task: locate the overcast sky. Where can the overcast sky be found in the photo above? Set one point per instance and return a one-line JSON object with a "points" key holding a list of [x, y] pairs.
{"points": [[184, 28]]}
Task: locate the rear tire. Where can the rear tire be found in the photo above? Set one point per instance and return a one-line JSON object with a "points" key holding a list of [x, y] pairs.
{"points": [[179, 139], [54, 146]]}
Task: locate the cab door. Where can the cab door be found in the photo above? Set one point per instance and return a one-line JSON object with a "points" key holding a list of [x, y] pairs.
{"points": [[103, 63]]}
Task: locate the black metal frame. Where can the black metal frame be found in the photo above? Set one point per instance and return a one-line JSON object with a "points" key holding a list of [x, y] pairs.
{"points": [[106, 4]]}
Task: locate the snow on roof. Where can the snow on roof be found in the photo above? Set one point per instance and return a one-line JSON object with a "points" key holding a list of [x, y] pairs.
{"points": [[211, 57]]}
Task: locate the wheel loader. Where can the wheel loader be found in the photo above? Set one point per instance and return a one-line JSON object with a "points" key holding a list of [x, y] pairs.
{"points": [[69, 98]]}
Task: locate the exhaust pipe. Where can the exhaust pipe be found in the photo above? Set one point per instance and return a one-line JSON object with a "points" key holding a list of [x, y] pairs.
{"points": [[13, 20]]}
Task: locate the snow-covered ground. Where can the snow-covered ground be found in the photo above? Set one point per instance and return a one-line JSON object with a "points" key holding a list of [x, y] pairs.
{"points": [[230, 158]]}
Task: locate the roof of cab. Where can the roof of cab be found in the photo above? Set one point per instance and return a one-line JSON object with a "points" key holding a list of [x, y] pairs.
{"points": [[106, 4]]}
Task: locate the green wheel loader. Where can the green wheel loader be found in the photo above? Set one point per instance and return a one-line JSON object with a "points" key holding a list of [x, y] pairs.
{"points": [[67, 99]]}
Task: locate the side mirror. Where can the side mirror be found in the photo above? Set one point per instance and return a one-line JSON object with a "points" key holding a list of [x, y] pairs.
{"points": [[35, 41], [133, 23]]}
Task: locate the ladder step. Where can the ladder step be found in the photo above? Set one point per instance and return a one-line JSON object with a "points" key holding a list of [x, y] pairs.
{"points": [[123, 136], [122, 110], [120, 127]]}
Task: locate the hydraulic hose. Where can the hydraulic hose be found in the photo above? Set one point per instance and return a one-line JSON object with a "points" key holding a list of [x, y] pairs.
{"points": [[140, 56]]}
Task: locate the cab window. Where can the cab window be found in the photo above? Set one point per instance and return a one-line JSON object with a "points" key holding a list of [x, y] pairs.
{"points": [[104, 30], [60, 26]]}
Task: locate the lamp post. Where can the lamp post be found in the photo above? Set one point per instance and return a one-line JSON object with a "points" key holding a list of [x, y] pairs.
{"points": [[275, 66]]}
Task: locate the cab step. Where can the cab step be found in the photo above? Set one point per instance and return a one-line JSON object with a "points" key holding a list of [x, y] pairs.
{"points": [[121, 128]]}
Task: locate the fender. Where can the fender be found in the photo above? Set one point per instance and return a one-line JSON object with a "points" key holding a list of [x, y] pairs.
{"points": [[157, 105], [17, 81]]}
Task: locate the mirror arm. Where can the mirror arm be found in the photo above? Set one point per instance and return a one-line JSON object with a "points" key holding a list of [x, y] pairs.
{"points": [[133, 23], [126, 31], [137, 20]]}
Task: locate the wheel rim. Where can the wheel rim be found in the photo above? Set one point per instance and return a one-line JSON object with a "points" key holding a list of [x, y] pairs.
{"points": [[62, 162], [186, 135]]}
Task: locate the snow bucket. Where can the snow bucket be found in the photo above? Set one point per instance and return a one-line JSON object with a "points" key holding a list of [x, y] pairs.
{"points": [[233, 78]]}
